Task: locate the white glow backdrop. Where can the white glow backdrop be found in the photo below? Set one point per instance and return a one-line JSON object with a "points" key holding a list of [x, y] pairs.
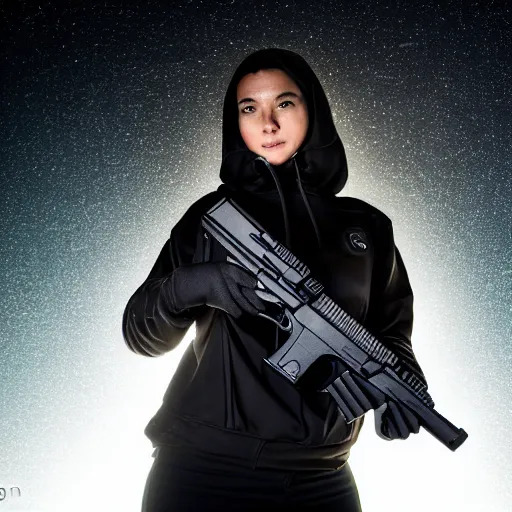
{"points": [[110, 129]]}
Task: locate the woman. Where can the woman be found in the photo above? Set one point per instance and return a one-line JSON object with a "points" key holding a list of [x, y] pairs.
{"points": [[231, 431]]}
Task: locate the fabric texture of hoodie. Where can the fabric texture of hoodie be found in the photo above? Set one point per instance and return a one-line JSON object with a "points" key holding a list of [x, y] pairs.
{"points": [[224, 400]]}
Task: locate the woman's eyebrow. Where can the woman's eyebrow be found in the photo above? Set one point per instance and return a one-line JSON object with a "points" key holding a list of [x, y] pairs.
{"points": [[287, 93]]}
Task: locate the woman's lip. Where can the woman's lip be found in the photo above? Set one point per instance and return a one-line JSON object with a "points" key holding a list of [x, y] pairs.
{"points": [[275, 146]]}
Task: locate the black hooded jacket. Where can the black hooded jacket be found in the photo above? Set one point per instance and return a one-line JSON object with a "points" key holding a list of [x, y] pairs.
{"points": [[223, 399]]}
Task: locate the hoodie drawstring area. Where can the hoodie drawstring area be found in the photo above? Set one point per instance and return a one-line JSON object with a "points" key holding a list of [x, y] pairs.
{"points": [[285, 214], [308, 206], [283, 202], [281, 197]]}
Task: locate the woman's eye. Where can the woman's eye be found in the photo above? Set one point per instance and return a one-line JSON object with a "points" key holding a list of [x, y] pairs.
{"points": [[244, 111]]}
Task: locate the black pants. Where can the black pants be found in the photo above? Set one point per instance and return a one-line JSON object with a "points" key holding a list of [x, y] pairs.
{"points": [[178, 482]]}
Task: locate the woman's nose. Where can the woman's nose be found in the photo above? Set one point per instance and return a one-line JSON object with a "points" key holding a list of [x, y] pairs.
{"points": [[269, 122]]}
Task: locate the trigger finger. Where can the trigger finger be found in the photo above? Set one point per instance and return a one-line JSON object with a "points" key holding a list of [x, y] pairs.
{"points": [[411, 420], [389, 429], [399, 421]]}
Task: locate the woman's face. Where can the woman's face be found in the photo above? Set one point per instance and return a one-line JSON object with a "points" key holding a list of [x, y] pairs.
{"points": [[267, 116]]}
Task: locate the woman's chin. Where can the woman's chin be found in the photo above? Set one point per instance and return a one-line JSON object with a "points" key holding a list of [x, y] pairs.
{"points": [[277, 159]]}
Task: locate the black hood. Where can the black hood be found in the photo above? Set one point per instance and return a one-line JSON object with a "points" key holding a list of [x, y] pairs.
{"points": [[320, 162], [321, 157]]}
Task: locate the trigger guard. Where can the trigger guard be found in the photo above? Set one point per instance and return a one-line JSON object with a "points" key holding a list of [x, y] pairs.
{"points": [[283, 322]]}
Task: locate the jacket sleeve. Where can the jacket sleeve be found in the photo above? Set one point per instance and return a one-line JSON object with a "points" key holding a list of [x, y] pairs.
{"points": [[151, 326], [391, 302]]}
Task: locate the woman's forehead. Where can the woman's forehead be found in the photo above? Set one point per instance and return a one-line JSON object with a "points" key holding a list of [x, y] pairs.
{"points": [[266, 83]]}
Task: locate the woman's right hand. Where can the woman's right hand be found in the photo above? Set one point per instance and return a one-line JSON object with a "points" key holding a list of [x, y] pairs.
{"points": [[220, 285]]}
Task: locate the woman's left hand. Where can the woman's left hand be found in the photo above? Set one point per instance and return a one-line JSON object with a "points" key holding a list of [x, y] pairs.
{"points": [[393, 421]]}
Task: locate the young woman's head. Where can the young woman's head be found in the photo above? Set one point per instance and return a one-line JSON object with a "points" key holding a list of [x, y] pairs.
{"points": [[256, 113], [272, 114]]}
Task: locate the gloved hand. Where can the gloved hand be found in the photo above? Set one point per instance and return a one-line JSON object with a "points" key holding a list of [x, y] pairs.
{"points": [[393, 421], [221, 285]]}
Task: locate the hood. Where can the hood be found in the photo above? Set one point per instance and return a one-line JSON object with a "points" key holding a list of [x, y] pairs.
{"points": [[319, 165]]}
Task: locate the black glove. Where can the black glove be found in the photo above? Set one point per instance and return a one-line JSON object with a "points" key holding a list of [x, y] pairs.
{"points": [[392, 421], [220, 285]]}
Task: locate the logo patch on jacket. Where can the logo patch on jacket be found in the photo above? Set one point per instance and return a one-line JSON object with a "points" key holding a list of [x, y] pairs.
{"points": [[356, 240]]}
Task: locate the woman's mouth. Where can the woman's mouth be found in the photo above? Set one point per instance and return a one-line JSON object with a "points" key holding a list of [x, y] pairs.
{"points": [[273, 146]]}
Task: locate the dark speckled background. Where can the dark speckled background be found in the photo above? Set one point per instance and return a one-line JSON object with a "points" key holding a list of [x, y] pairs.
{"points": [[110, 128]]}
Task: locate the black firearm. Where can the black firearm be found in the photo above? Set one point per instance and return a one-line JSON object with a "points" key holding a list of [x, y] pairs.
{"points": [[319, 328]]}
